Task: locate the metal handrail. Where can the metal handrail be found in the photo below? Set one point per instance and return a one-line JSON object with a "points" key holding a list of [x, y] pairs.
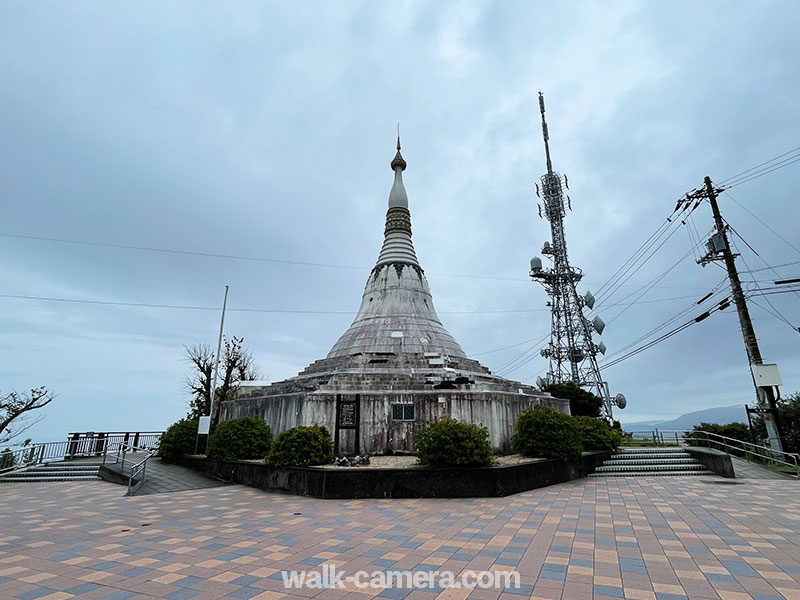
{"points": [[791, 459], [139, 468]]}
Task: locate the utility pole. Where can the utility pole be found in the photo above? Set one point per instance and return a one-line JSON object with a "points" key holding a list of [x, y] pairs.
{"points": [[719, 249], [219, 350]]}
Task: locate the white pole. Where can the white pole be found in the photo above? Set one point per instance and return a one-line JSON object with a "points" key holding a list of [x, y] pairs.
{"points": [[219, 349]]}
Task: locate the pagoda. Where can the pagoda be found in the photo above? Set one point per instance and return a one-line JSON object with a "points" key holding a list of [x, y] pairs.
{"points": [[396, 367]]}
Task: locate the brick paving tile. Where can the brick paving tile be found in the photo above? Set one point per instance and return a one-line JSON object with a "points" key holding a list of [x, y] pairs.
{"points": [[621, 538]]}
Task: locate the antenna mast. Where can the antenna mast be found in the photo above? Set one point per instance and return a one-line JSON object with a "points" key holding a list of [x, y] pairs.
{"points": [[571, 352]]}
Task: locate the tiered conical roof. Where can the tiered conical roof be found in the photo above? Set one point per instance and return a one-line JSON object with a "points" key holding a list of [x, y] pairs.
{"points": [[397, 313]]}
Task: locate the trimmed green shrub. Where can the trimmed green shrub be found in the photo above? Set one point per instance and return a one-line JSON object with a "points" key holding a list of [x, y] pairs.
{"points": [[301, 447], [547, 433], [597, 434], [450, 443], [237, 439], [582, 403], [179, 439]]}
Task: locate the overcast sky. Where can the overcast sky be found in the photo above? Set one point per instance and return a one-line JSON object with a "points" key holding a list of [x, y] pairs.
{"points": [[266, 130]]}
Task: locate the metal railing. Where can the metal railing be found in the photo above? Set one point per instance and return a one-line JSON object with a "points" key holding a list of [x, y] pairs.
{"points": [[750, 451], [78, 446], [747, 450], [654, 437], [137, 470]]}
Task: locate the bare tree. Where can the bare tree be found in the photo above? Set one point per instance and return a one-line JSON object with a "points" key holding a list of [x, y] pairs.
{"points": [[236, 364], [14, 409]]}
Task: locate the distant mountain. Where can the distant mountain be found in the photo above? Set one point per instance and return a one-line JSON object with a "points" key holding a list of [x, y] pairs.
{"points": [[720, 414]]}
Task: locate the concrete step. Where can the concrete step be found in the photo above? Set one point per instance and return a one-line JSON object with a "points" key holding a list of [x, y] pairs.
{"points": [[650, 467], [658, 449], [692, 473], [650, 452], [651, 461], [54, 472], [64, 468], [48, 473], [32, 478]]}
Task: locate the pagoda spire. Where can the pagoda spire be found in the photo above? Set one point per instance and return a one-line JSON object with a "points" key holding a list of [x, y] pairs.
{"points": [[397, 244], [396, 313]]}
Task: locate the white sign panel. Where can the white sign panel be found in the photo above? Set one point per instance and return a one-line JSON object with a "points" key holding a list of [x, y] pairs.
{"points": [[766, 375], [203, 425]]}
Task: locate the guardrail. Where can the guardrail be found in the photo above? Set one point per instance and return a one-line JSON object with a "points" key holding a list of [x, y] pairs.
{"points": [[747, 450], [78, 445]]}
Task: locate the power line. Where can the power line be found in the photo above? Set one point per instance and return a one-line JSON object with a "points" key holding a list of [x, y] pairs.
{"points": [[257, 258], [778, 235], [702, 317], [253, 310], [765, 171], [776, 312], [773, 267], [650, 285], [503, 348], [724, 181], [630, 267], [715, 291]]}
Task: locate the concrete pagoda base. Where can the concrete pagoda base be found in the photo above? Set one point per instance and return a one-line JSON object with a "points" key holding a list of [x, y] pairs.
{"points": [[372, 383]]}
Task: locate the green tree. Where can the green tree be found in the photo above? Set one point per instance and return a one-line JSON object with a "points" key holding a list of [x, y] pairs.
{"points": [[581, 402], [789, 419]]}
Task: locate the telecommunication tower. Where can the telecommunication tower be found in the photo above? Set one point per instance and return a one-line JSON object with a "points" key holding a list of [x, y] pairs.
{"points": [[571, 352]]}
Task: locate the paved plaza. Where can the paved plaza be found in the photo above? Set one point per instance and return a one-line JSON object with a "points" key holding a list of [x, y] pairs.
{"points": [[642, 538]]}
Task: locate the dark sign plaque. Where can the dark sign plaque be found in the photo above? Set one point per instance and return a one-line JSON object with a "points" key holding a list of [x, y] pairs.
{"points": [[347, 415]]}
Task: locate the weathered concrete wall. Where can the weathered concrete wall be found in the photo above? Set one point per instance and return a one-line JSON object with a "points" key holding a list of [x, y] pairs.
{"points": [[279, 412], [379, 434]]}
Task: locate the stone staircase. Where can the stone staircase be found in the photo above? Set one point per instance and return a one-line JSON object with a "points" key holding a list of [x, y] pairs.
{"points": [[54, 471], [649, 462]]}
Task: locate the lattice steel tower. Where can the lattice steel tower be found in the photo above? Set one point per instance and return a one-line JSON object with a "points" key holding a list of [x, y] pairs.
{"points": [[571, 351]]}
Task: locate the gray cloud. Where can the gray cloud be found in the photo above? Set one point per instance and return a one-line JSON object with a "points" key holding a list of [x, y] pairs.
{"points": [[266, 130]]}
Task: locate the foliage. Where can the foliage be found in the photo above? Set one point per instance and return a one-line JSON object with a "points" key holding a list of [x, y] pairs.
{"points": [[789, 415], [789, 419], [547, 433], [247, 437], [581, 402], [735, 430], [302, 447], [14, 409], [450, 443], [597, 434], [236, 364], [179, 439], [6, 459]]}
